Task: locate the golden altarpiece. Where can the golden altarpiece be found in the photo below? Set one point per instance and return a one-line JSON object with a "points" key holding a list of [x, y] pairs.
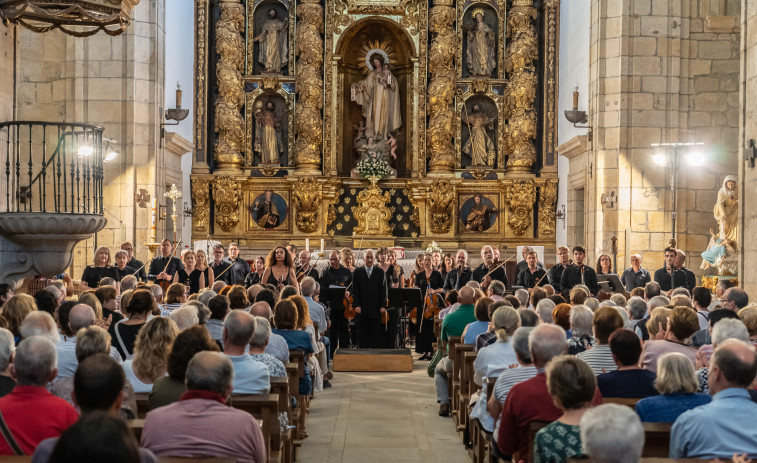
{"points": [[298, 102]]}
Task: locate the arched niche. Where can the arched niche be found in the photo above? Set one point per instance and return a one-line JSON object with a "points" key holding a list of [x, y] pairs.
{"points": [[281, 110], [350, 46], [260, 15], [491, 18], [488, 107]]}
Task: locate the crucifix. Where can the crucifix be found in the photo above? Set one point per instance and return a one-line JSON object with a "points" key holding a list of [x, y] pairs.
{"points": [[173, 194]]}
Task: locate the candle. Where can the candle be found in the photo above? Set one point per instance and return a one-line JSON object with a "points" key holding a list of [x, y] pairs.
{"points": [[153, 219], [178, 96], [307, 244], [575, 98], [322, 241]]}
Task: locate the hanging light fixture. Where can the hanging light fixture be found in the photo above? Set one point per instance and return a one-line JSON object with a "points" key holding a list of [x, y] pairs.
{"points": [[80, 18]]}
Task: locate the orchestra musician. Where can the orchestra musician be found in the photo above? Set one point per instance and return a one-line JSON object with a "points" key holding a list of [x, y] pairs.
{"points": [[122, 265], [392, 276], [133, 262], [279, 270], [220, 264], [165, 266], [523, 264], [555, 273], [392, 259], [256, 275], [436, 260], [531, 275], [369, 291], [239, 267], [417, 268], [306, 268], [190, 276], [429, 281], [447, 264], [481, 273], [348, 259], [461, 274], [578, 273], [337, 275]]}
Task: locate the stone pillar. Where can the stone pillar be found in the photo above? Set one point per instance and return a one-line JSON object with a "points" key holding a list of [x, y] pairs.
{"points": [[228, 116], [308, 120], [441, 88], [522, 52], [200, 158], [748, 123]]}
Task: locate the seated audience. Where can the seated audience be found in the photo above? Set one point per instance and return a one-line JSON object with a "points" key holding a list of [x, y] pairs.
{"points": [[219, 308], [701, 300], [530, 400], [98, 390], [606, 320], [726, 426], [175, 296], [677, 384], [703, 338], [629, 380], [150, 353], [250, 377], [7, 348], [581, 329], [489, 337], [544, 309], [46, 301], [612, 433], [642, 326], [31, 413], [748, 316], [81, 316], [572, 385], [185, 316], [473, 329], [124, 333], [725, 329], [15, 310], [258, 344], [285, 319], [169, 389], [108, 297], [40, 323], [277, 345], [201, 423], [682, 323], [561, 317], [528, 318]]}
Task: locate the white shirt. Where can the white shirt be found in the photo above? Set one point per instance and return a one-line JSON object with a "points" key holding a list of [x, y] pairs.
{"points": [[250, 376], [67, 361], [136, 383]]}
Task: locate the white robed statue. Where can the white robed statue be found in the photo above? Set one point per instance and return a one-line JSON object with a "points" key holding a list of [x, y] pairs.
{"points": [[379, 96], [273, 43]]}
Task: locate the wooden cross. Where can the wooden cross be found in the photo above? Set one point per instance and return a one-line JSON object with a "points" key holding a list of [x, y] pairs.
{"points": [[142, 198]]}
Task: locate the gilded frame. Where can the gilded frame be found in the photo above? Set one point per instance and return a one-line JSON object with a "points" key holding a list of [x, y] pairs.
{"points": [[461, 97], [249, 122], [250, 7], [252, 192], [500, 6]]}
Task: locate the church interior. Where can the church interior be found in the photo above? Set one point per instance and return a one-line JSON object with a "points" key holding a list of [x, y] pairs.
{"points": [[510, 168]]}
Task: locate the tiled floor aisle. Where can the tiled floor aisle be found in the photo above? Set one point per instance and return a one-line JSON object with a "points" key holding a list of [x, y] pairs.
{"points": [[380, 417]]}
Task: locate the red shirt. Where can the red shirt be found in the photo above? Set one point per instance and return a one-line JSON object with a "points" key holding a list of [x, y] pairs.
{"points": [[527, 401], [33, 415]]}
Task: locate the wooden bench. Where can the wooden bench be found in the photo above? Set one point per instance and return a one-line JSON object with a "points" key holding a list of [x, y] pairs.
{"points": [[457, 364], [467, 387], [266, 408], [621, 401], [141, 398], [280, 386], [656, 439], [298, 358], [452, 343], [135, 426]]}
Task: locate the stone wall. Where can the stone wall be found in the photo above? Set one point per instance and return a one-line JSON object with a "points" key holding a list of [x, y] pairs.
{"points": [[657, 74]]}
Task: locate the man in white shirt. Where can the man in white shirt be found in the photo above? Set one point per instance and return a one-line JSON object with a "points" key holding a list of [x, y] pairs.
{"points": [[250, 376], [80, 316]]}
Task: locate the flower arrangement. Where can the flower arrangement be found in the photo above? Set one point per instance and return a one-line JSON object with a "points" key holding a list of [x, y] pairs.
{"points": [[373, 167]]}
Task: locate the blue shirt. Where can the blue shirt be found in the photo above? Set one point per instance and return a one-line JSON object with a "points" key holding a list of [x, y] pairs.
{"points": [[250, 376], [666, 408], [627, 384], [474, 329], [299, 340], [633, 279], [718, 429]]}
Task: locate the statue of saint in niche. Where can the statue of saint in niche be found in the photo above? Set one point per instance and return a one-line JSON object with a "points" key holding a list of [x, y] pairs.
{"points": [[481, 51], [723, 246], [268, 134], [273, 43], [379, 96], [479, 145]]}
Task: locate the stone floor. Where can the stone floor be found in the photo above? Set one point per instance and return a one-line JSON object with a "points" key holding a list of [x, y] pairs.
{"points": [[380, 417]]}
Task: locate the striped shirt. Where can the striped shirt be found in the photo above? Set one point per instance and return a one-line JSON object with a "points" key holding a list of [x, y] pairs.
{"points": [[599, 358], [506, 380], [172, 306]]}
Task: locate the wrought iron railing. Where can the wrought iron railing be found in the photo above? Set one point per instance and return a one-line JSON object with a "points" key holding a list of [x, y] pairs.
{"points": [[51, 167]]}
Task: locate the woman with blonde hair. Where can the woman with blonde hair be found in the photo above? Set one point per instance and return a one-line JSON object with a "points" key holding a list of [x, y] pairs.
{"points": [[748, 316], [677, 383], [348, 259], [151, 350], [99, 269], [90, 298], [201, 264], [190, 276], [15, 310]]}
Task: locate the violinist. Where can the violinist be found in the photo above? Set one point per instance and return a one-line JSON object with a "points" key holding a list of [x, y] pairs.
{"points": [[460, 275], [348, 259], [337, 275], [436, 260], [369, 291], [398, 270], [239, 267], [430, 283], [164, 267], [489, 270], [256, 275], [220, 264], [555, 273], [392, 276], [447, 264], [578, 273], [306, 269], [531, 275], [417, 268]]}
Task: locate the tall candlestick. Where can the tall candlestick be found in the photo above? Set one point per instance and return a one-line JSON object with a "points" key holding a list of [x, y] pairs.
{"points": [[178, 96], [322, 242], [154, 220], [575, 98], [307, 244]]}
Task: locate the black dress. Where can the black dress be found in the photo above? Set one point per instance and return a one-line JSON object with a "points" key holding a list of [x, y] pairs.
{"points": [[273, 281], [252, 278], [192, 280], [425, 339], [93, 275]]}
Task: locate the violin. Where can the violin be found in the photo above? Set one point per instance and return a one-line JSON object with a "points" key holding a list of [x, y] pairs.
{"points": [[349, 311], [413, 315], [431, 306], [164, 284]]}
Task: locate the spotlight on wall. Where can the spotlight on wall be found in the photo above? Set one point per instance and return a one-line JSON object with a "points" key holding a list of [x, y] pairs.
{"points": [[660, 158], [695, 159], [86, 151], [110, 152]]}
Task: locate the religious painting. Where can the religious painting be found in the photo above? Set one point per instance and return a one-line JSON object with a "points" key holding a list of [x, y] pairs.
{"points": [[479, 132], [269, 39], [271, 131], [478, 214], [480, 25], [269, 210]]}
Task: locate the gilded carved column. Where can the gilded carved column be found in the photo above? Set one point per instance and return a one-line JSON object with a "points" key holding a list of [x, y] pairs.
{"points": [[228, 118], [522, 52], [441, 88], [547, 201], [308, 122]]}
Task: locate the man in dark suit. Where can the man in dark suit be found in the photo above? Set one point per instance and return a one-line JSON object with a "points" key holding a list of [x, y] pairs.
{"points": [[336, 275], [578, 273], [369, 293], [163, 267], [305, 269], [460, 275], [239, 267], [220, 264], [481, 273], [134, 263], [691, 279], [670, 277]]}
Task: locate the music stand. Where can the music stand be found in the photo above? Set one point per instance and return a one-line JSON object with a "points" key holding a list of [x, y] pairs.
{"points": [[333, 296], [611, 282], [404, 298]]}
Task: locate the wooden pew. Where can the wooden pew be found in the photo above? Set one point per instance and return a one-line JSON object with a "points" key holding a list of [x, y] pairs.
{"points": [[479, 435], [298, 358], [621, 401], [457, 381], [280, 386], [135, 426], [656, 439], [141, 398], [266, 408], [452, 343], [533, 428], [467, 387]]}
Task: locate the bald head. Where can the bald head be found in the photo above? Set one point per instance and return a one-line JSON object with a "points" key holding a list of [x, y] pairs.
{"points": [[40, 323], [733, 365], [546, 342], [261, 309], [210, 371], [81, 316], [467, 295]]}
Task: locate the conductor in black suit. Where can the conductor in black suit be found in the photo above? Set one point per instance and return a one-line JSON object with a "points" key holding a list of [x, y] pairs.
{"points": [[369, 293]]}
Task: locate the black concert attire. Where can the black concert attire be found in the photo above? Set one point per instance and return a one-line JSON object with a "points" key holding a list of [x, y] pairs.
{"points": [[252, 278], [369, 293], [522, 265], [125, 272], [93, 275], [554, 274], [681, 279], [529, 280], [632, 279], [691, 279], [391, 276], [425, 337], [192, 280], [275, 282], [219, 270], [339, 334], [159, 263], [571, 277], [138, 264], [453, 282], [312, 272], [238, 271], [482, 270]]}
